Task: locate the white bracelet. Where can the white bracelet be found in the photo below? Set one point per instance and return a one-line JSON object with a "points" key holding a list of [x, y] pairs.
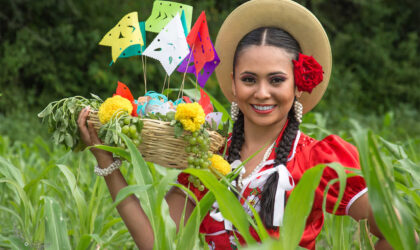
{"points": [[106, 171]]}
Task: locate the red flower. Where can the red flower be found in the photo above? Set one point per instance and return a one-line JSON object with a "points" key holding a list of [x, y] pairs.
{"points": [[308, 73]]}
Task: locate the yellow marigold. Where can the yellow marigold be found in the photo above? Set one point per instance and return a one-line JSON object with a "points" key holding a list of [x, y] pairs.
{"points": [[111, 105], [191, 116], [220, 165]]}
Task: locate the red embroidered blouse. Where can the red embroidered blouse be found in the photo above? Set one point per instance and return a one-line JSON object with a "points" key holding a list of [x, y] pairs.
{"points": [[306, 153]]}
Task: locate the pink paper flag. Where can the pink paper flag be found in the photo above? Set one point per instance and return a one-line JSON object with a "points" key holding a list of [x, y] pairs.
{"points": [[206, 71]]}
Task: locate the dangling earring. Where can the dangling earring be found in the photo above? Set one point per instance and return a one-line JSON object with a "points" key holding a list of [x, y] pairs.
{"points": [[234, 111], [298, 110]]}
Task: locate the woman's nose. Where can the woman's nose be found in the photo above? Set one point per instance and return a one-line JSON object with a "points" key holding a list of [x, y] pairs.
{"points": [[262, 91]]}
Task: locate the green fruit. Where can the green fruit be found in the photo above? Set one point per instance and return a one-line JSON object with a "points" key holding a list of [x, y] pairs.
{"points": [[201, 188], [133, 129], [200, 140], [134, 120], [201, 162], [127, 120], [188, 149], [190, 160], [135, 136], [192, 141], [210, 154], [136, 142], [196, 182], [204, 147], [187, 138], [195, 134], [204, 155], [205, 164], [195, 150], [125, 129]]}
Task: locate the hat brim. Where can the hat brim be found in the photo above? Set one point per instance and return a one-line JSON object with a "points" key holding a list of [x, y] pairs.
{"points": [[287, 15]]}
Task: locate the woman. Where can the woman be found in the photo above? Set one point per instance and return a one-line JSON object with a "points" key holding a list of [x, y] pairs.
{"points": [[259, 45]]}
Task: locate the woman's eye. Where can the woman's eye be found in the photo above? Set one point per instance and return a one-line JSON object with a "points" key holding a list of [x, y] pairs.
{"points": [[277, 80], [248, 79]]}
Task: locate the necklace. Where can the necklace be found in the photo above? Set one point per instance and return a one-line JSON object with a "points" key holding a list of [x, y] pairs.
{"points": [[257, 168]]}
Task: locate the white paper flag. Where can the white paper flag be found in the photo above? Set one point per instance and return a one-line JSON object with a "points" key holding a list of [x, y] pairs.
{"points": [[170, 46]]}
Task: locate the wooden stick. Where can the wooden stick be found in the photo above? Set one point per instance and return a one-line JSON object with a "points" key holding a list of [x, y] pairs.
{"points": [[185, 73]]}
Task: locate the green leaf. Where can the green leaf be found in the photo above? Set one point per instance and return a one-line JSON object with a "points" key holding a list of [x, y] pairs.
{"points": [[261, 230], [364, 239], [115, 150], [84, 242], [193, 223], [68, 140], [55, 226], [342, 178], [96, 97], [47, 111], [77, 194], [143, 177], [298, 207], [184, 240], [165, 226], [229, 205], [179, 130], [129, 190], [377, 171], [14, 242]]}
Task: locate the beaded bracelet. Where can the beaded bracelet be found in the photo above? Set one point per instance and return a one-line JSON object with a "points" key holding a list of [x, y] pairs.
{"points": [[106, 171]]}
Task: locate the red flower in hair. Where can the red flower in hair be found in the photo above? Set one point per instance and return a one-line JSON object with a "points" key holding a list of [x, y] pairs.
{"points": [[308, 73]]}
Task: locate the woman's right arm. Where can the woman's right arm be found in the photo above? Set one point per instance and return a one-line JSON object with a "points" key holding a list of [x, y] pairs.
{"points": [[130, 209]]}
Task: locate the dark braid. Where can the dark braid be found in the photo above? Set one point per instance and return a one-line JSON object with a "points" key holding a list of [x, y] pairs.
{"points": [[270, 187], [237, 139], [282, 39]]}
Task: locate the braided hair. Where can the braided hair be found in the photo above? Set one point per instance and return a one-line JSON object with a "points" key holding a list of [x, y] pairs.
{"points": [[281, 39]]}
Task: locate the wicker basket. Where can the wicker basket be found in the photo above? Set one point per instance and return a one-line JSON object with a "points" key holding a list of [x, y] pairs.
{"points": [[159, 144]]}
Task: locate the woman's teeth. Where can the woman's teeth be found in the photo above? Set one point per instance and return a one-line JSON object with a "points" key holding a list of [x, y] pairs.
{"points": [[262, 108]]}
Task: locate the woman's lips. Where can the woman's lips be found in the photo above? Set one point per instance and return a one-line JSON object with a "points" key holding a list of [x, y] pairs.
{"points": [[263, 109]]}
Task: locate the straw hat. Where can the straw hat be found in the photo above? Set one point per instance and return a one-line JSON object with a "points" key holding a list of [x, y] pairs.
{"points": [[284, 14]]}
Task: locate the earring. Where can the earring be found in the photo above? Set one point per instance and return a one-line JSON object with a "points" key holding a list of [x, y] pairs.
{"points": [[298, 110], [234, 111]]}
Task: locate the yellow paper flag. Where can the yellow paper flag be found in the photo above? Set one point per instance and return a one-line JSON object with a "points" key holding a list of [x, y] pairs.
{"points": [[124, 34]]}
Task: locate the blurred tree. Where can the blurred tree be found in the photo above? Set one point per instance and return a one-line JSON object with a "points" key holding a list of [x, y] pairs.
{"points": [[49, 50]]}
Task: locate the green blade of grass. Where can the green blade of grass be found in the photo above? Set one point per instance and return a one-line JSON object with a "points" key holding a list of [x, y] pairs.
{"points": [[365, 242], [129, 190], [56, 227], [230, 207], [377, 171], [116, 150], [298, 207], [78, 196]]}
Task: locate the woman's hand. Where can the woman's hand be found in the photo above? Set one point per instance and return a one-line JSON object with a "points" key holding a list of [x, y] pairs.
{"points": [[90, 137]]}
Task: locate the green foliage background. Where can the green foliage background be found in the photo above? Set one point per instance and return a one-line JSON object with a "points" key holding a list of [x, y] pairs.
{"points": [[49, 50]]}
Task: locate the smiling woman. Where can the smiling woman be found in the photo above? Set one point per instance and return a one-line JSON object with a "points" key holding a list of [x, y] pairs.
{"points": [[263, 85], [269, 81]]}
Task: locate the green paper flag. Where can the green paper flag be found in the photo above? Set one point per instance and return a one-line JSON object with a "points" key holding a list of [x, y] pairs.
{"points": [[165, 11]]}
